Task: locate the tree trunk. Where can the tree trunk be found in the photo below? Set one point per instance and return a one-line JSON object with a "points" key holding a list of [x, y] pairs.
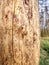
{"points": [[19, 32]]}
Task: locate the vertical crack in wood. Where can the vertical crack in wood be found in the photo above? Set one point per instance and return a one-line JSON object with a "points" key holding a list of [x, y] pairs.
{"points": [[13, 30]]}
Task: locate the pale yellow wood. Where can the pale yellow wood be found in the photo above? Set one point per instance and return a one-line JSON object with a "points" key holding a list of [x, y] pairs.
{"points": [[36, 33], [19, 32], [26, 42]]}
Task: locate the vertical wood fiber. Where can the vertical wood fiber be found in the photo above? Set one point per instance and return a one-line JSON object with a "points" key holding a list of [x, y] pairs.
{"points": [[19, 32], [36, 33], [6, 32], [26, 42]]}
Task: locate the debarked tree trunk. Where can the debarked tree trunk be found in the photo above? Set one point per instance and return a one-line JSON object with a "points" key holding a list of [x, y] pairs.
{"points": [[19, 32]]}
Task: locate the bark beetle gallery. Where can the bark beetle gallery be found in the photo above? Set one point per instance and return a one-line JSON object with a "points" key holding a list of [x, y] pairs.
{"points": [[19, 32]]}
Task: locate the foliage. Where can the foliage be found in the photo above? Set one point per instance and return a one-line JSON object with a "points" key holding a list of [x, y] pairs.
{"points": [[44, 56]]}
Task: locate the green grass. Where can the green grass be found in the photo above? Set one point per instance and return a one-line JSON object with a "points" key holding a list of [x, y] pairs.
{"points": [[44, 52]]}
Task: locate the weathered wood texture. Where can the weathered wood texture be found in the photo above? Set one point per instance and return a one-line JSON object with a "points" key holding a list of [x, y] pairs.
{"points": [[19, 32]]}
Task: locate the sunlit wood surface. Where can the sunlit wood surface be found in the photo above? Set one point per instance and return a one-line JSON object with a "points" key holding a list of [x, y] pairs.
{"points": [[19, 32]]}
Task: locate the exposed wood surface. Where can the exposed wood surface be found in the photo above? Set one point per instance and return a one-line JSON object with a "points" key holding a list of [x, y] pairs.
{"points": [[19, 32]]}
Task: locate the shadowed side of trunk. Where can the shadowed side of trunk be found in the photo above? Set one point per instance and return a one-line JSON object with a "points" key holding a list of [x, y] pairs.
{"points": [[6, 11]]}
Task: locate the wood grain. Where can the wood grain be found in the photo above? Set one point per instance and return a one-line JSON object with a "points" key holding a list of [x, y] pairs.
{"points": [[6, 32], [19, 32]]}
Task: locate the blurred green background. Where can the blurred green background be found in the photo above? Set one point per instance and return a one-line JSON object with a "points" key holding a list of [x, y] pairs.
{"points": [[44, 51]]}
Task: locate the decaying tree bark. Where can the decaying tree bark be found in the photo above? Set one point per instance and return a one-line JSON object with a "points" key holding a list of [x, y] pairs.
{"points": [[19, 32]]}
